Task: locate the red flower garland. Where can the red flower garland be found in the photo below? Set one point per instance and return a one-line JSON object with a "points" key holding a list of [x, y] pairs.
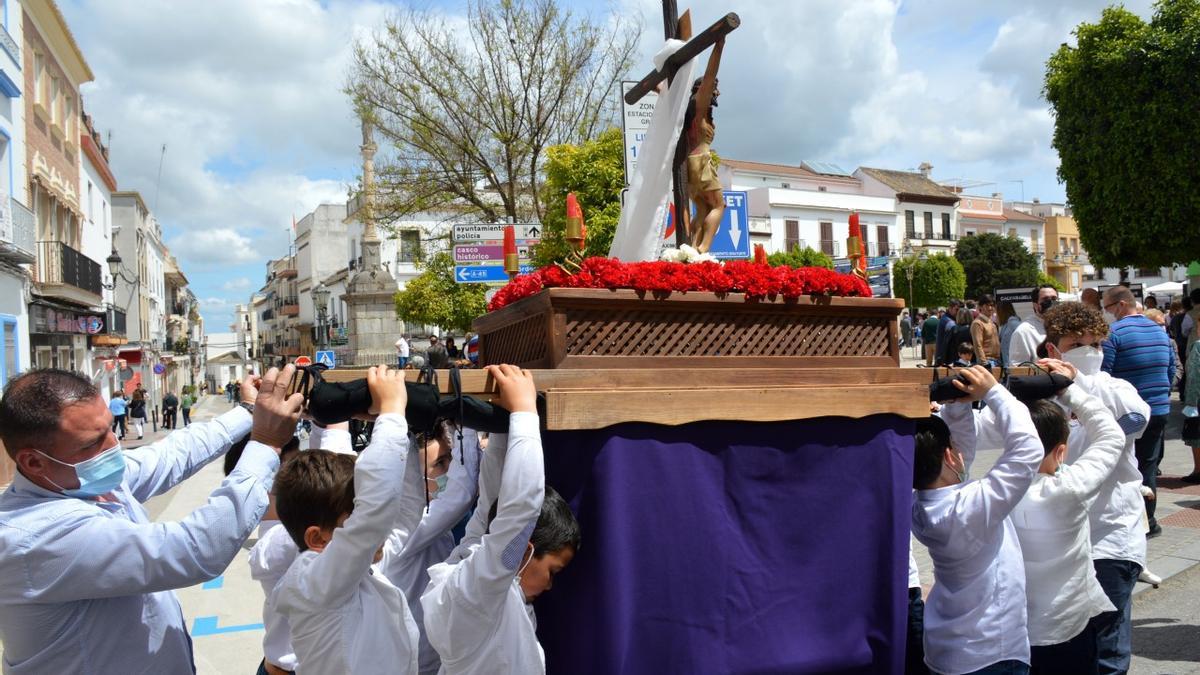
{"points": [[755, 280]]}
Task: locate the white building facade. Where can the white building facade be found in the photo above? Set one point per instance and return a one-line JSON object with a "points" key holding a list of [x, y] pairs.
{"points": [[17, 226]]}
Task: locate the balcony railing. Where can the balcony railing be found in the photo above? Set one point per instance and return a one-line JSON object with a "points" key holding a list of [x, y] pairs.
{"points": [[61, 264], [289, 310], [17, 229], [10, 46]]}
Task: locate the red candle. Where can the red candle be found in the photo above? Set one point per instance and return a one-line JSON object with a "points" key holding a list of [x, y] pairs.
{"points": [[575, 231], [512, 263], [760, 254], [855, 230]]}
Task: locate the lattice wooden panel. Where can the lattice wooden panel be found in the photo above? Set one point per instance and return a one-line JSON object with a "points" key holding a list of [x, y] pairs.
{"points": [[621, 332], [522, 343]]}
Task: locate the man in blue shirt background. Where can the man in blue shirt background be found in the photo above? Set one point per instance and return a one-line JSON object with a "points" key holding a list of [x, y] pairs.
{"points": [[117, 406], [1139, 351], [945, 328]]}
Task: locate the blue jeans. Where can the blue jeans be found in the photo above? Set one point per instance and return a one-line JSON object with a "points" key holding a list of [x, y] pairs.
{"points": [[914, 657], [1076, 656], [1114, 636], [402, 361]]}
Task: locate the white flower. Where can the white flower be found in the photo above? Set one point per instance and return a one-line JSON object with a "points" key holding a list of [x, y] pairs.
{"points": [[686, 254], [672, 255]]}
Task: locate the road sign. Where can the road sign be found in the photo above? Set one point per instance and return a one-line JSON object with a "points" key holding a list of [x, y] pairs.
{"points": [[484, 274], [484, 253], [326, 357], [732, 239], [303, 361], [635, 120], [879, 275], [495, 231]]}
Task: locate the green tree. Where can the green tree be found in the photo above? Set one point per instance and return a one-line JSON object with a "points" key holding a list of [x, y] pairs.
{"points": [[1127, 133], [991, 261], [434, 298], [1044, 279], [800, 257], [470, 108], [595, 171], [935, 281]]}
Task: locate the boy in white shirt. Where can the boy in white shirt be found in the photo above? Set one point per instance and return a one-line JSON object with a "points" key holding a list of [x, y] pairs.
{"points": [[975, 619], [346, 617], [274, 552], [477, 611], [1052, 524], [1074, 334]]}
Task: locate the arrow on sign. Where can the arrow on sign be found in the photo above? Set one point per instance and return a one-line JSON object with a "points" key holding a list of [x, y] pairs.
{"points": [[533, 232], [735, 232]]}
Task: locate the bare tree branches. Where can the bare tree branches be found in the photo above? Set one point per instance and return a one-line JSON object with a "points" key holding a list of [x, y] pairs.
{"points": [[468, 108]]}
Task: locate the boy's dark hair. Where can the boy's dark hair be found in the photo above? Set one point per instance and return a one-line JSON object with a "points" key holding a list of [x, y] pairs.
{"points": [[1051, 423], [556, 527], [315, 487], [965, 348], [235, 452], [32, 406], [986, 299], [931, 438]]}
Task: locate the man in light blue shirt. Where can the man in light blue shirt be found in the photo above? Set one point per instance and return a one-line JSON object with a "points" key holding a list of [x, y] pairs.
{"points": [[88, 577]]}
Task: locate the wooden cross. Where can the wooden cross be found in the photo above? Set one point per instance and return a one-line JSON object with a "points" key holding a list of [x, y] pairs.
{"points": [[680, 28]]}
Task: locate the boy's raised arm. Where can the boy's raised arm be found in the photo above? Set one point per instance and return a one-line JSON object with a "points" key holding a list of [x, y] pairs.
{"points": [[1087, 473], [378, 485], [485, 577]]}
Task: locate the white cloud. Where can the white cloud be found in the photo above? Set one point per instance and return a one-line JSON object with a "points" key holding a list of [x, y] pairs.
{"points": [[239, 284], [218, 247]]}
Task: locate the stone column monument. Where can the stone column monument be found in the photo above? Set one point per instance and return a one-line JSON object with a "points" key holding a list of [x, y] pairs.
{"points": [[372, 325]]}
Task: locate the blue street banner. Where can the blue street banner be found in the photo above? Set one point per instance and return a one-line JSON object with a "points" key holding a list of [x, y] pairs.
{"points": [[732, 239], [484, 274], [327, 357]]}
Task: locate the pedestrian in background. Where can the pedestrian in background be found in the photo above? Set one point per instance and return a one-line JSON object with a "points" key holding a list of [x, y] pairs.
{"points": [[929, 331], [984, 337], [401, 352], [1138, 351], [1191, 414], [958, 334], [170, 405], [906, 329], [185, 404], [436, 356], [117, 406], [137, 411], [1009, 321]]}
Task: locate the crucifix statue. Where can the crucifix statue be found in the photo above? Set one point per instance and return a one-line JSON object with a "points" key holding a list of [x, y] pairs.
{"points": [[692, 170]]}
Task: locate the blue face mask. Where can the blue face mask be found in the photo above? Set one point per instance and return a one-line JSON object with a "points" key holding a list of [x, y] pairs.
{"points": [[440, 482], [97, 476]]}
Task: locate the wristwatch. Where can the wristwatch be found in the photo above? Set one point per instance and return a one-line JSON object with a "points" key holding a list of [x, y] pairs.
{"points": [[248, 406]]}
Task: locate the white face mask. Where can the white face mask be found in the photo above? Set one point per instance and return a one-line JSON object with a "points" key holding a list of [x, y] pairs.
{"points": [[1109, 317], [1086, 359]]}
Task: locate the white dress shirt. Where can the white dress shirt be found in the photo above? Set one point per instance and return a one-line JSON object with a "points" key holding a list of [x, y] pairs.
{"points": [[975, 613], [1025, 340], [345, 616], [274, 552], [88, 583], [1115, 516], [406, 561], [1052, 524], [475, 613]]}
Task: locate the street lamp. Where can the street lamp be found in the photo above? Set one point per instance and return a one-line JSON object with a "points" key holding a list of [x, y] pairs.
{"points": [[321, 298]]}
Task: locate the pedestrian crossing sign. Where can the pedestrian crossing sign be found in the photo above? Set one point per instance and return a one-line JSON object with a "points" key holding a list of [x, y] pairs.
{"points": [[327, 358]]}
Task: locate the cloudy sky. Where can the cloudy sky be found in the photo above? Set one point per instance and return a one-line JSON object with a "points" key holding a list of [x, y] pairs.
{"points": [[247, 97]]}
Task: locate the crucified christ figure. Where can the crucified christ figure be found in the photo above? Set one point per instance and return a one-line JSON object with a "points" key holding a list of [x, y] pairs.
{"points": [[704, 188]]}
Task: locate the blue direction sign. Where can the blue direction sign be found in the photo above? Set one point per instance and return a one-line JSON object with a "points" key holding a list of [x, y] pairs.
{"points": [[484, 274], [732, 239], [327, 357]]}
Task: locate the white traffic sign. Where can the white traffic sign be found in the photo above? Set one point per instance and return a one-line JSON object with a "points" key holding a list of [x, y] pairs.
{"points": [[635, 120], [327, 358], [495, 231]]}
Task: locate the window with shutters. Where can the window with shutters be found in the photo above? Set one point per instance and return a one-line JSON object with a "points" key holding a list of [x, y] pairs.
{"points": [[827, 246], [929, 225], [946, 234], [910, 225], [881, 237], [791, 235]]}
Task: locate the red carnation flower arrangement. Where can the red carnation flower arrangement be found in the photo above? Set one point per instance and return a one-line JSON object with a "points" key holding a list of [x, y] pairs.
{"points": [[755, 279]]}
